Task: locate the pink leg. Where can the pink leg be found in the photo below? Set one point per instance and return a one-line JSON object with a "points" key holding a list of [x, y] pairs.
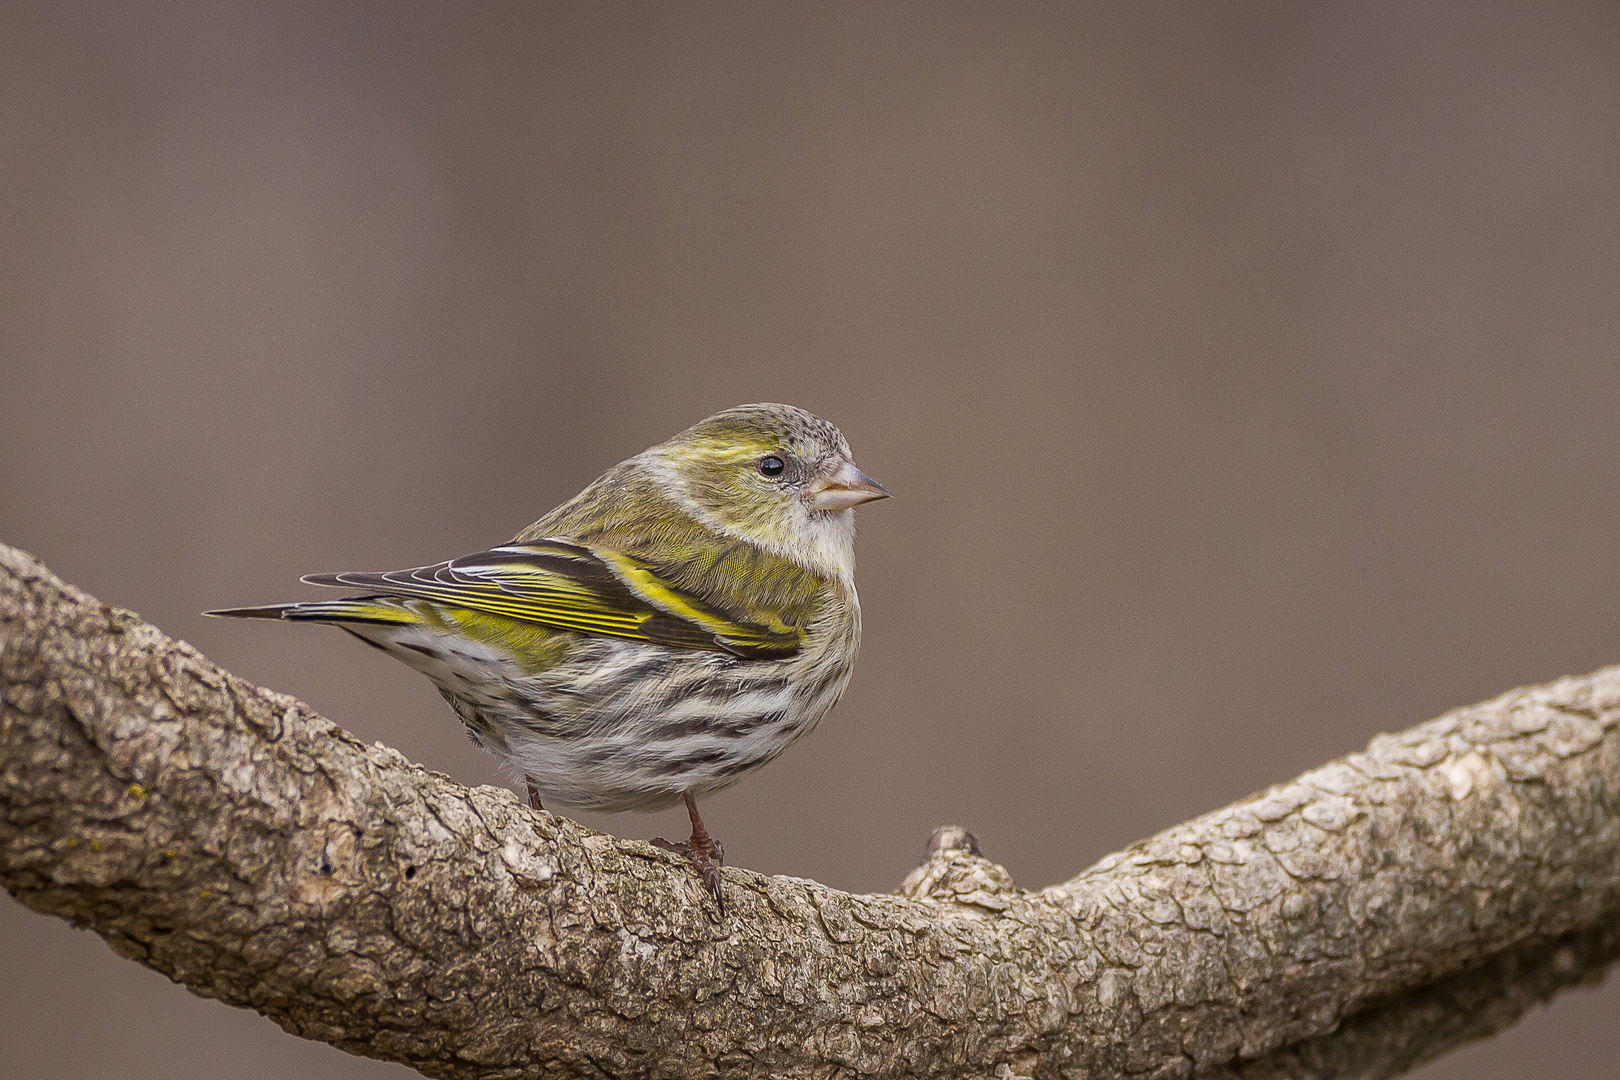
{"points": [[702, 850]]}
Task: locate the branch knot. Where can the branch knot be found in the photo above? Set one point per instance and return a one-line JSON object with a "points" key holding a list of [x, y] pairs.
{"points": [[954, 870]]}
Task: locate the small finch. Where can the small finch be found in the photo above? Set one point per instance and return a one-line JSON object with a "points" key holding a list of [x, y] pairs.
{"points": [[672, 627]]}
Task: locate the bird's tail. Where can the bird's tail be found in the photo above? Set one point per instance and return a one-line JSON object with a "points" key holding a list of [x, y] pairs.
{"points": [[377, 610]]}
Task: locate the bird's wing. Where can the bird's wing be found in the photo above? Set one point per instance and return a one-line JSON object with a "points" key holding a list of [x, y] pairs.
{"points": [[573, 587]]}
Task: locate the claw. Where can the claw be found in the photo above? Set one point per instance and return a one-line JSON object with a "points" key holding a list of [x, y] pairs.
{"points": [[534, 798], [703, 851]]}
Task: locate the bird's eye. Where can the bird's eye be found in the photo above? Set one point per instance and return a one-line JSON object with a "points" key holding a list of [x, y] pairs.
{"points": [[771, 466]]}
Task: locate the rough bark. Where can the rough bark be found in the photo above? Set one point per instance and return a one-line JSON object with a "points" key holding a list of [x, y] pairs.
{"points": [[1355, 921]]}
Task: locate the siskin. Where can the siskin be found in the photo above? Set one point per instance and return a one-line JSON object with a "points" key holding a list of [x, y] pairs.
{"points": [[672, 627]]}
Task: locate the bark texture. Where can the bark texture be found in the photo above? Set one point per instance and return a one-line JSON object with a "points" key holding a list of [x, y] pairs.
{"points": [[1355, 921]]}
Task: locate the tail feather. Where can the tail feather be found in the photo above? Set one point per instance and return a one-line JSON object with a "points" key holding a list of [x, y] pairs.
{"points": [[358, 609], [335, 580]]}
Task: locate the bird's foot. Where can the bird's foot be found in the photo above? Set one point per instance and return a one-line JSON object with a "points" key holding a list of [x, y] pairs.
{"points": [[534, 799], [702, 851], [706, 855]]}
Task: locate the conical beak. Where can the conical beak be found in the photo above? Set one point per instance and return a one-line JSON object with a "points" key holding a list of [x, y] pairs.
{"points": [[844, 486]]}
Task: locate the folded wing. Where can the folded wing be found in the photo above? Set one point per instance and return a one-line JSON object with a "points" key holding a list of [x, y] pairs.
{"points": [[573, 587]]}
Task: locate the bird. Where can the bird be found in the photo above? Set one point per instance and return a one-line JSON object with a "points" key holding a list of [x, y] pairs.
{"points": [[674, 626]]}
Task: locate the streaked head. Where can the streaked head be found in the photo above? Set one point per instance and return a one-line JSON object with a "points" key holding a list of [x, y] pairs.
{"points": [[775, 475]]}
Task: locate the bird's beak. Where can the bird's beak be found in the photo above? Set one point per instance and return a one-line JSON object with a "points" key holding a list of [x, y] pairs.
{"points": [[842, 485]]}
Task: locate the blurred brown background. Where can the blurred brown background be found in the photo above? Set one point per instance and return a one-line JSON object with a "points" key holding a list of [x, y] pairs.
{"points": [[1247, 377]]}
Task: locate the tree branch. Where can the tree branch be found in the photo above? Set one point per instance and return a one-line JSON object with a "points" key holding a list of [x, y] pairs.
{"points": [[1356, 921]]}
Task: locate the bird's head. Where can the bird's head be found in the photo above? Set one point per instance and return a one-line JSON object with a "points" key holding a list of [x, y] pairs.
{"points": [[773, 475]]}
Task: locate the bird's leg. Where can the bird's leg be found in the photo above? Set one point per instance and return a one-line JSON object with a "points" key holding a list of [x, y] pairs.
{"points": [[702, 850], [534, 798]]}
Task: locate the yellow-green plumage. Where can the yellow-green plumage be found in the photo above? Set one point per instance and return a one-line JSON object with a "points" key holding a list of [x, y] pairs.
{"points": [[675, 625]]}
